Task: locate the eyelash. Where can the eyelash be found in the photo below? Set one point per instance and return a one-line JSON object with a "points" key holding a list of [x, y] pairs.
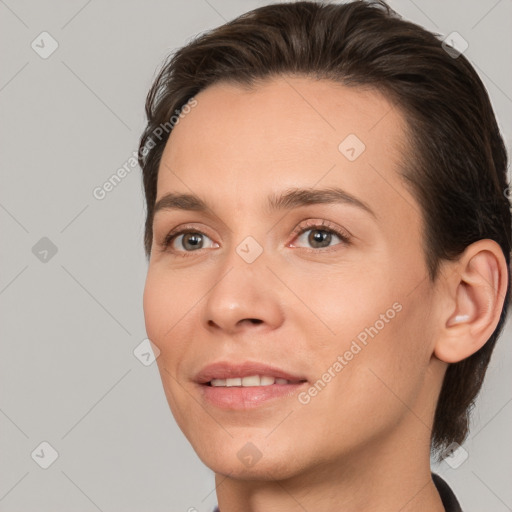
{"points": [[324, 226]]}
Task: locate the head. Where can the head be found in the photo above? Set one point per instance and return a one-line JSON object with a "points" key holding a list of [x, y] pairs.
{"points": [[404, 274]]}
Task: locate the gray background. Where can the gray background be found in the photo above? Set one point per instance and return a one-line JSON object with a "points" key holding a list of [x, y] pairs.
{"points": [[71, 322]]}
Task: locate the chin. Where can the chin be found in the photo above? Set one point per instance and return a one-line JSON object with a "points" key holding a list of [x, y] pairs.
{"points": [[268, 470], [249, 458]]}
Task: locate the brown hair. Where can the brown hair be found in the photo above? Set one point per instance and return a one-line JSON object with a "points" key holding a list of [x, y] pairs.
{"points": [[458, 161]]}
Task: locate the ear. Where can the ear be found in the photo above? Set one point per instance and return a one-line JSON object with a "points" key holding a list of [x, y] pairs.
{"points": [[476, 286]]}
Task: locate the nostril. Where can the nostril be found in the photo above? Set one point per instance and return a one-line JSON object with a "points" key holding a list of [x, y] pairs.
{"points": [[255, 320]]}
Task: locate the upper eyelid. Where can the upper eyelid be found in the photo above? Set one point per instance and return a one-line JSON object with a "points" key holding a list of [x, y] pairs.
{"points": [[327, 225], [298, 229]]}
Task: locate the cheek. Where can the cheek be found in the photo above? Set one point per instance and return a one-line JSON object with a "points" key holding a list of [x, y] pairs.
{"points": [[375, 384], [166, 303], [340, 304], [389, 370], [165, 306], [377, 327], [155, 308]]}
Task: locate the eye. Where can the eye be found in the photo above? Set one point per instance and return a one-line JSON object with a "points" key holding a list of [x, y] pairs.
{"points": [[320, 235], [187, 240]]}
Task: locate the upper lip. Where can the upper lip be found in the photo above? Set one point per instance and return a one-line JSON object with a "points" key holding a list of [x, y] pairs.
{"points": [[227, 370]]}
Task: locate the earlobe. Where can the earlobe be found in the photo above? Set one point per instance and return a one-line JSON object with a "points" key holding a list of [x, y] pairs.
{"points": [[477, 288]]}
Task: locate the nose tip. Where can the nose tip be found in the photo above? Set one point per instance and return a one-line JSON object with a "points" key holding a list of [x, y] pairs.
{"points": [[246, 299]]}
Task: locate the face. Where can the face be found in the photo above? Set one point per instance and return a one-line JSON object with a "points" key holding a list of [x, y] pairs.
{"points": [[293, 327]]}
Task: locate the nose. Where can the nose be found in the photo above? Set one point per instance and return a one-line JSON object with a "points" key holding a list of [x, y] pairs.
{"points": [[245, 296]]}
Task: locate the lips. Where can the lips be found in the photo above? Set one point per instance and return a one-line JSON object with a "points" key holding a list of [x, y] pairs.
{"points": [[245, 374], [246, 386]]}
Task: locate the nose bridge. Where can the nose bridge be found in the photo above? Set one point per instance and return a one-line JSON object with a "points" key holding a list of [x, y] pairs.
{"points": [[243, 289]]}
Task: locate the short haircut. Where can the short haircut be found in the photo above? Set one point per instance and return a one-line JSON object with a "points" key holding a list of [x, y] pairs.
{"points": [[455, 161]]}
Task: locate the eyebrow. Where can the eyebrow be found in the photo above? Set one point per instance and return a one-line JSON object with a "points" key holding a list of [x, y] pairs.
{"points": [[286, 200]]}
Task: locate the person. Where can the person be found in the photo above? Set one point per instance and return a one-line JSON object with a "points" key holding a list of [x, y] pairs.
{"points": [[328, 232]]}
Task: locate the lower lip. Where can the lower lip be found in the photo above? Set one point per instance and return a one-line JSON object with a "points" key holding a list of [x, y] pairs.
{"points": [[236, 397]]}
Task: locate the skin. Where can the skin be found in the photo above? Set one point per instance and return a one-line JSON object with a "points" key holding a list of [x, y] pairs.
{"points": [[362, 443]]}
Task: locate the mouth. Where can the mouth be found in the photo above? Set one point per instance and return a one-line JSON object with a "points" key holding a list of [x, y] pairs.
{"points": [[251, 381], [246, 385]]}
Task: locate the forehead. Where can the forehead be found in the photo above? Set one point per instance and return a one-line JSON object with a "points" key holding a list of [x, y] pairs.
{"points": [[238, 145]]}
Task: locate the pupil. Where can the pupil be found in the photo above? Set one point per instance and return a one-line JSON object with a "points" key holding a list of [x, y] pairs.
{"points": [[318, 236], [192, 238]]}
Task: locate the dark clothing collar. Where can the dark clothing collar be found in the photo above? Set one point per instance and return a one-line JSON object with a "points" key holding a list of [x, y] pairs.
{"points": [[449, 500], [447, 497]]}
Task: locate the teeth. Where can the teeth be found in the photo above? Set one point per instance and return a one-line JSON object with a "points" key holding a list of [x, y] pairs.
{"points": [[253, 380], [267, 381], [250, 381]]}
